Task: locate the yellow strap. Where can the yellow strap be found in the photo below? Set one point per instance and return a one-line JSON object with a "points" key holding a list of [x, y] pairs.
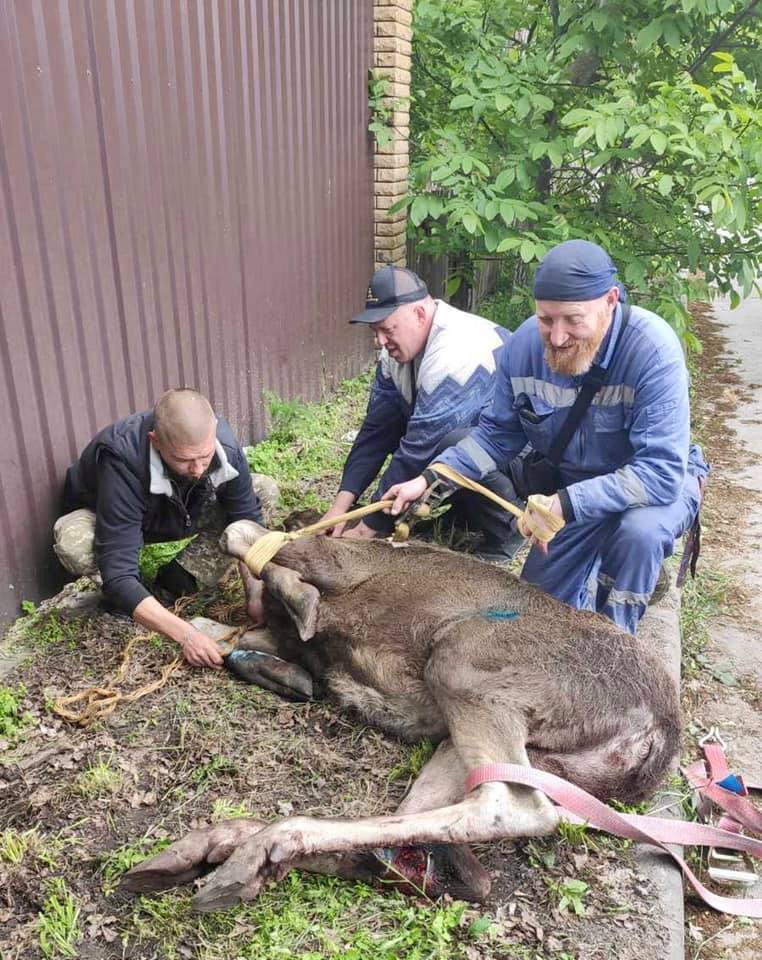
{"points": [[537, 504], [268, 545]]}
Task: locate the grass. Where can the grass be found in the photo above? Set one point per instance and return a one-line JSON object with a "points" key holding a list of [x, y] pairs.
{"points": [[58, 922], [99, 779], [307, 444], [13, 719], [703, 599], [311, 918], [48, 630], [20, 846]]}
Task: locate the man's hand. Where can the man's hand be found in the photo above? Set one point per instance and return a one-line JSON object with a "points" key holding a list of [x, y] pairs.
{"points": [[404, 494], [198, 649], [342, 504], [533, 525], [360, 531]]}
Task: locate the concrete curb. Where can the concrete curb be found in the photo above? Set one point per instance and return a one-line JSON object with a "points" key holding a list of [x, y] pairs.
{"points": [[661, 628]]}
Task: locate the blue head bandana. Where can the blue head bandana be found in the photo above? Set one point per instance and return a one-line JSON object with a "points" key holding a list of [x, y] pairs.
{"points": [[576, 270]]}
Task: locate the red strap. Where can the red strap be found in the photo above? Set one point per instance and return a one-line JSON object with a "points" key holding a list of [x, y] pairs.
{"points": [[734, 805], [651, 830]]}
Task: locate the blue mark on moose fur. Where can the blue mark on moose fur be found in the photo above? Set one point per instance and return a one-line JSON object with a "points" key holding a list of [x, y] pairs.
{"points": [[495, 613]]}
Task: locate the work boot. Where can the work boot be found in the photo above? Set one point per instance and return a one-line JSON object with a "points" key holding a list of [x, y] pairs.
{"points": [[499, 552]]}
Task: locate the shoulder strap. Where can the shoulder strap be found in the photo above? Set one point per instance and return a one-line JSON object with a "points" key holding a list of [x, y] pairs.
{"points": [[591, 384]]}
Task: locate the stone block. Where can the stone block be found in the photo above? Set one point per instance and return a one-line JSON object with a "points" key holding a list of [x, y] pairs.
{"points": [[389, 28], [389, 193], [390, 176], [393, 14], [392, 44], [391, 161]]}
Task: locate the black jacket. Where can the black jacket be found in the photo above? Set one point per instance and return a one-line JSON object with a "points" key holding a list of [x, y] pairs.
{"points": [[123, 479]]}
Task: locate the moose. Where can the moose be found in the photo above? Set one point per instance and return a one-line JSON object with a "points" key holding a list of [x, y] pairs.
{"points": [[424, 642]]}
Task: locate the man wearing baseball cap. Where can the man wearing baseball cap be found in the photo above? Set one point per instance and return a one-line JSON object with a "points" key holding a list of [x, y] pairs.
{"points": [[627, 480], [435, 375]]}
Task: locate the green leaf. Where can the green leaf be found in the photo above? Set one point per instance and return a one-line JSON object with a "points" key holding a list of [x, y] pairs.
{"points": [[419, 210], [510, 243], [491, 209], [527, 251], [470, 222], [583, 135], [658, 141], [462, 101], [441, 173], [505, 178], [453, 285], [508, 212], [648, 35], [503, 102], [735, 299], [665, 185], [672, 34], [466, 164], [575, 117]]}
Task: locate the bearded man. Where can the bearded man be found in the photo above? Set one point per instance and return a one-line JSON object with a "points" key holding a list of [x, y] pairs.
{"points": [[627, 483]]}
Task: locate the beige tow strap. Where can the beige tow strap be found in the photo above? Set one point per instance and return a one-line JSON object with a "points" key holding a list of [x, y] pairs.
{"points": [[537, 505], [268, 545]]}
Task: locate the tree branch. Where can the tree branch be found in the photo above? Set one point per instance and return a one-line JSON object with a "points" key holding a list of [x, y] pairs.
{"points": [[719, 38]]}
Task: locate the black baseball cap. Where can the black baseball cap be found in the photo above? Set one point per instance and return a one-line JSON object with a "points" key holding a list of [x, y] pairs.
{"points": [[389, 288]]}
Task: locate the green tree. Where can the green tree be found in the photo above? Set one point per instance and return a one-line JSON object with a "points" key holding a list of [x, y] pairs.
{"points": [[633, 123]]}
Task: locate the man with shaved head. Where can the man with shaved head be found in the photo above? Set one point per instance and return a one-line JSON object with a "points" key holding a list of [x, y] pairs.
{"points": [[153, 477]]}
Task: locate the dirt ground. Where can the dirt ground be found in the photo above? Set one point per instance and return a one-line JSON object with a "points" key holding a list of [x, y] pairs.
{"points": [[91, 802], [726, 689]]}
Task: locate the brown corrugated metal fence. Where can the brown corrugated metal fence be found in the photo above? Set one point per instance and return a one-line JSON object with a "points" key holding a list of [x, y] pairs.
{"points": [[186, 199]]}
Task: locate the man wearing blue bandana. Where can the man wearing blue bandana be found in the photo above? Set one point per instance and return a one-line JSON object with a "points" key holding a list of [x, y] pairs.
{"points": [[627, 482]]}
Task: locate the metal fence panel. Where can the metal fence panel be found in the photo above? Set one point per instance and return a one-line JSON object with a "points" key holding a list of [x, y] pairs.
{"points": [[186, 200]]}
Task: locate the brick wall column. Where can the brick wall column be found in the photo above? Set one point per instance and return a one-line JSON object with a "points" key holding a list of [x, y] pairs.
{"points": [[392, 38]]}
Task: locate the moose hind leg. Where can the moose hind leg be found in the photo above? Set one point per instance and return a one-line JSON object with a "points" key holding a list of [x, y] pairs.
{"points": [[469, 674], [443, 867]]}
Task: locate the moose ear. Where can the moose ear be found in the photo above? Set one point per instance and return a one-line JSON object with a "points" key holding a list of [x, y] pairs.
{"points": [[301, 600]]}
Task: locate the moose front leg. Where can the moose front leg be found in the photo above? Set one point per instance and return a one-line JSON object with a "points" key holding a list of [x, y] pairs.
{"points": [[491, 812]]}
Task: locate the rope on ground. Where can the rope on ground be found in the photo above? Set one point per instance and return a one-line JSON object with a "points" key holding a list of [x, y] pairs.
{"points": [[100, 702]]}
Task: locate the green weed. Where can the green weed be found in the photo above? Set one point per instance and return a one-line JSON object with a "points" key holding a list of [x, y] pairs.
{"points": [[216, 766], [58, 922], [119, 861], [13, 719], [703, 599], [154, 556], [48, 630], [17, 846], [307, 443], [99, 779], [411, 765], [224, 809], [569, 893], [310, 918]]}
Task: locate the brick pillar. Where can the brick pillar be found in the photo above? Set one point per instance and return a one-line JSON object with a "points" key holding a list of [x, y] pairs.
{"points": [[392, 38]]}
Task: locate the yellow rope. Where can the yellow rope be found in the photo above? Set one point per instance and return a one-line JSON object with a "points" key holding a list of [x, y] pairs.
{"points": [[268, 545], [536, 504], [100, 702]]}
